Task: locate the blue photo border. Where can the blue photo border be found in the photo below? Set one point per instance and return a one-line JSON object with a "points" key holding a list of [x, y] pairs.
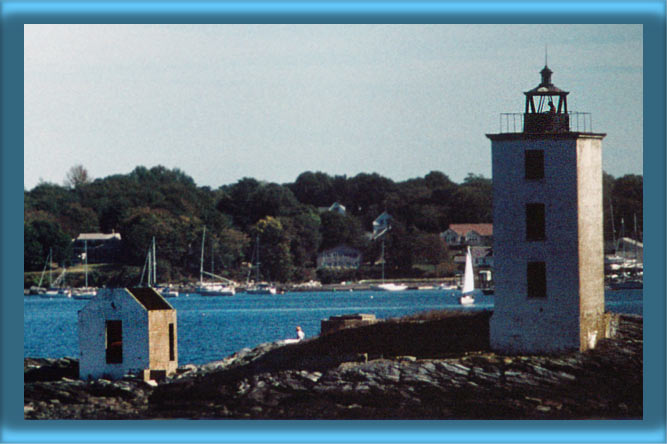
{"points": [[649, 13]]}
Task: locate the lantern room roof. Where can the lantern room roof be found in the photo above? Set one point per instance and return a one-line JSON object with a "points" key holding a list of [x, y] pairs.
{"points": [[546, 88]]}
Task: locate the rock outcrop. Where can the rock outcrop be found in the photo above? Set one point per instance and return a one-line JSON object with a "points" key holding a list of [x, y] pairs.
{"points": [[438, 368]]}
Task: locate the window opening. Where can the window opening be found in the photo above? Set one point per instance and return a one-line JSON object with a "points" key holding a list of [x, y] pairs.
{"points": [[535, 222], [536, 280], [114, 351], [534, 164]]}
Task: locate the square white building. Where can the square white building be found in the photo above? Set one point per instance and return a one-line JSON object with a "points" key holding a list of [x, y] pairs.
{"points": [[124, 331]]}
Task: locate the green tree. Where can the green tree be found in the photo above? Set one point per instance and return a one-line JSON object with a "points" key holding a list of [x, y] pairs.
{"points": [[627, 196], [303, 233], [430, 249], [314, 189], [274, 252], [77, 176], [40, 236], [337, 229]]}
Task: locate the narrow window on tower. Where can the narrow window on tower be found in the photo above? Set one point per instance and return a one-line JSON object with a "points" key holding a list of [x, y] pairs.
{"points": [[114, 333], [535, 222], [534, 163], [172, 351], [536, 277]]}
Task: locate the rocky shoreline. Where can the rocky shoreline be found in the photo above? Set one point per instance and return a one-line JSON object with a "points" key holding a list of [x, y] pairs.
{"points": [[428, 368]]}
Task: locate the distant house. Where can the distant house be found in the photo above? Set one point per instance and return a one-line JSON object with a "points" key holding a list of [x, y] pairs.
{"points": [[101, 248], [459, 235], [381, 223], [482, 257], [335, 207], [341, 256], [124, 331]]}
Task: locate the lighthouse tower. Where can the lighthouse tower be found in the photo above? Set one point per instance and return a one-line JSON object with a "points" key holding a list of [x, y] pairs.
{"points": [[547, 227]]}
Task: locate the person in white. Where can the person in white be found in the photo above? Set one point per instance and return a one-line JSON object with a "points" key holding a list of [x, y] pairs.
{"points": [[299, 333]]}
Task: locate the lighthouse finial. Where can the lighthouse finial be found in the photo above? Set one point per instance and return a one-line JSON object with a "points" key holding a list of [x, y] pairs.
{"points": [[545, 55]]}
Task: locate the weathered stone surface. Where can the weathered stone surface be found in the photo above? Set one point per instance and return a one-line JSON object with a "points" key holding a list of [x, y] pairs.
{"points": [[321, 378]]}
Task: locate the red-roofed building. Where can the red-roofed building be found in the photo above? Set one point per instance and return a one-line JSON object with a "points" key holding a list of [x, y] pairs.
{"points": [[458, 235]]}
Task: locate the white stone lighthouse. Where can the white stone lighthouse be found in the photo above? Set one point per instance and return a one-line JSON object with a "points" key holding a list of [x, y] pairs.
{"points": [[547, 223]]}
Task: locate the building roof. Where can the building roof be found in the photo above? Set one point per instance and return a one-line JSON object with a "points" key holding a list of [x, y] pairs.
{"points": [[337, 206], [98, 236], [482, 229], [340, 248], [150, 299]]}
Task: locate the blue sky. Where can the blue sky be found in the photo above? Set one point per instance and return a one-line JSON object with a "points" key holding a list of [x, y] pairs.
{"points": [[223, 102]]}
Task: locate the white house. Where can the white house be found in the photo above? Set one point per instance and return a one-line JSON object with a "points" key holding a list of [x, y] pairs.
{"points": [[100, 247], [341, 256], [381, 223], [458, 235], [124, 331], [548, 242]]}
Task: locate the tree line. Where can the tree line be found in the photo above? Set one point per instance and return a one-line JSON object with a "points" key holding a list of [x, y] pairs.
{"points": [[287, 221]]}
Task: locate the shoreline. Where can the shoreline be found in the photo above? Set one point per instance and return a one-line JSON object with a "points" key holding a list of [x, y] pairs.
{"points": [[384, 376]]}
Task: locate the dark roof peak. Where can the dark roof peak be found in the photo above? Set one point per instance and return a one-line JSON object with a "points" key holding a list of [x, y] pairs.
{"points": [[150, 298]]}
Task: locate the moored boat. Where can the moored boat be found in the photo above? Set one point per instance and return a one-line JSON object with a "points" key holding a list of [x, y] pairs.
{"points": [[261, 288], [389, 286]]}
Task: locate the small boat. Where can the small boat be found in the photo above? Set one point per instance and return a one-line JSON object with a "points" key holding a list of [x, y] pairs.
{"points": [[261, 288], [167, 291], [389, 286], [214, 289], [468, 282], [84, 293], [57, 293], [447, 287]]}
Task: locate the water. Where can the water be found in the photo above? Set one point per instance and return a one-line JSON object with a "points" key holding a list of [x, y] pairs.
{"points": [[211, 328]]}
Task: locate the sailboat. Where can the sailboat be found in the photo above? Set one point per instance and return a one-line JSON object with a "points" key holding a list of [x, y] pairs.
{"points": [[38, 289], [387, 286], [85, 292], [258, 287], [57, 290], [211, 288], [468, 282], [151, 277]]}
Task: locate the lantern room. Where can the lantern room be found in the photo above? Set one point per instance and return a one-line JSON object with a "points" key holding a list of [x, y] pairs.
{"points": [[546, 107]]}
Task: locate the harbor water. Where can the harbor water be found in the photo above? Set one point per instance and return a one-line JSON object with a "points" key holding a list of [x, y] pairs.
{"points": [[211, 328]]}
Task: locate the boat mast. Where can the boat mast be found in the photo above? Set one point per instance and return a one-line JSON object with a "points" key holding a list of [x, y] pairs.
{"points": [[636, 239], [150, 267], [613, 230], [257, 268], [201, 262], [154, 264], [623, 235], [85, 257], [382, 256], [50, 268]]}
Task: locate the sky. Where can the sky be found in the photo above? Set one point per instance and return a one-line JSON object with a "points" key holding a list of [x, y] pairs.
{"points": [[223, 102]]}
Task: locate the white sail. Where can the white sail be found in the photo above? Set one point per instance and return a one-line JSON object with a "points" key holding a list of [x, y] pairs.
{"points": [[468, 277]]}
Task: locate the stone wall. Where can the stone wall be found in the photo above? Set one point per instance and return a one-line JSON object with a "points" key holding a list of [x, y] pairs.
{"points": [[335, 323]]}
